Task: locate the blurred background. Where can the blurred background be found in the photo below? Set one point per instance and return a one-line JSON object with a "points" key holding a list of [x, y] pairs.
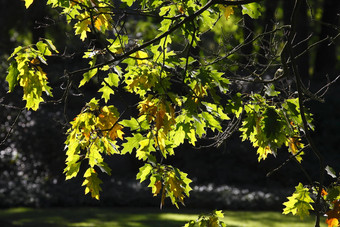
{"points": [[32, 158]]}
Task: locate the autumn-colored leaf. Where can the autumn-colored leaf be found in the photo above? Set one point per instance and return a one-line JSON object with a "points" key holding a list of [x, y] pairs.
{"points": [[228, 11], [263, 152], [293, 144], [157, 188], [333, 216], [323, 192], [181, 9], [332, 222]]}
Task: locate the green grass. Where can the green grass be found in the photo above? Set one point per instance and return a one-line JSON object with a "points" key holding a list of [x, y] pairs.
{"points": [[139, 217]]}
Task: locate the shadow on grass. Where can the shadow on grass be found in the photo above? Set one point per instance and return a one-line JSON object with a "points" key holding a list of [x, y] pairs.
{"points": [[138, 217], [125, 217]]}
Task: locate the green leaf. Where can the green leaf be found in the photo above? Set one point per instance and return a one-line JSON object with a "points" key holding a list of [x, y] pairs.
{"points": [[51, 45], [132, 143], [146, 146], [270, 90], [129, 2], [82, 27], [272, 124], [248, 125], [16, 50], [235, 105], [107, 91], [104, 168], [12, 76], [92, 183], [299, 203], [87, 76], [72, 170], [179, 136], [207, 220], [112, 79], [144, 172], [43, 48], [330, 171], [212, 121], [252, 9], [200, 127], [133, 123], [94, 155], [333, 193]]}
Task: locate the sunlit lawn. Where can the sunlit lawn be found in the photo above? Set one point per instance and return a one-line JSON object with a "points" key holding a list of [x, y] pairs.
{"points": [[139, 217]]}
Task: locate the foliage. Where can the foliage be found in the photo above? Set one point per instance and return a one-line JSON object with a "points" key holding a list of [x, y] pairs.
{"points": [[208, 220], [183, 94], [27, 71], [299, 203]]}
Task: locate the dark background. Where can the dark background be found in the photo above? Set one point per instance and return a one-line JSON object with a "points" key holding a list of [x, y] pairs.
{"points": [[32, 158]]}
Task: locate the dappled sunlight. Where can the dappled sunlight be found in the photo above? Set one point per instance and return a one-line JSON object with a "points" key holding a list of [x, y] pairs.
{"points": [[142, 217]]}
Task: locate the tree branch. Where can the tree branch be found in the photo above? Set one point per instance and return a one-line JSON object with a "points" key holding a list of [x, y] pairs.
{"points": [[299, 86], [171, 30]]}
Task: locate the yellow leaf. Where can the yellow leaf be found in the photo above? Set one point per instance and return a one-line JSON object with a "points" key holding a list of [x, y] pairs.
{"points": [[160, 141], [102, 22], [263, 152], [98, 23], [28, 3], [293, 145], [82, 27], [141, 55], [228, 10]]}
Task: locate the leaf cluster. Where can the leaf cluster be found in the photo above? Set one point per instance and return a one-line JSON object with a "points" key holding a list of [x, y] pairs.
{"points": [[26, 70]]}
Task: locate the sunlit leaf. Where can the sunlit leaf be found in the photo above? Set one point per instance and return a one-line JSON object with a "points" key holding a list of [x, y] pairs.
{"points": [[92, 183], [132, 143], [144, 172], [299, 203], [12, 76], [28, 3], [252, 9], [333, 215]]}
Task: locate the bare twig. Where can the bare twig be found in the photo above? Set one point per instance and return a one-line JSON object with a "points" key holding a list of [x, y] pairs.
{"points": [[12, 126]]}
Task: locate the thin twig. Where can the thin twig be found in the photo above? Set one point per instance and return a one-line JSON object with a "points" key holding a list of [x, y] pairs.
{"points": [[12, 126]]}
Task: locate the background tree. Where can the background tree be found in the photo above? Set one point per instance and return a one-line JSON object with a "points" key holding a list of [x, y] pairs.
{"points": [[182, 86]]}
